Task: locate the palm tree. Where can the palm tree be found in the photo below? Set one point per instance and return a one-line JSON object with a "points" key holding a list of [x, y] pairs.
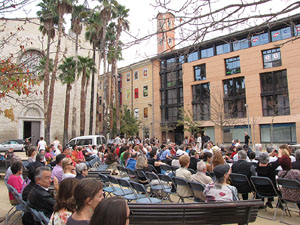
{"points": [[63, 7], [48, 18], [78, 14], [121, 14], [67, 76], [86, 66], [105, 15], [93, 34]]}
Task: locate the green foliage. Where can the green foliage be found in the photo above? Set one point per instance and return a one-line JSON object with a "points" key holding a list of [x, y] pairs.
{"points": [[129, 123], [67, 68], [188, 122], [41, 67], [86, 65]]}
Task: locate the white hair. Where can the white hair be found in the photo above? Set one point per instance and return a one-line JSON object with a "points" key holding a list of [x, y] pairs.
{"points": [[201, 166]]}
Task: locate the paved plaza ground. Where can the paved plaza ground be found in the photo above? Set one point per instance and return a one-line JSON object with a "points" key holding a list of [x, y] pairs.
{"points": [[295, 219]]}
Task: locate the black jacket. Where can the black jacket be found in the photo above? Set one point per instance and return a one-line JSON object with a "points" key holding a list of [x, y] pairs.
{"points": [[41, 200], [243, 167]]}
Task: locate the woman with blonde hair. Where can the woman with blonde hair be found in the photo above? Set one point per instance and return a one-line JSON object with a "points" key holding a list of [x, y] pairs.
{"points": [[68, 168]]}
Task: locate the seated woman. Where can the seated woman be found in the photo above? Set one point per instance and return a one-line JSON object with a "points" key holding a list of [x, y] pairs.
{"points": [[68, 168], [65, 205], [220, 190], [288, 173], [112, 160], [267, 169], [15, 180], [183, 172], [87, 194], [81, 170], [118, 216], [31, 155]]}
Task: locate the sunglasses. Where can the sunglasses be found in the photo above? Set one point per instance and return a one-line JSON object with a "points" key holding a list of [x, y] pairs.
{"points": [[70, 164]]}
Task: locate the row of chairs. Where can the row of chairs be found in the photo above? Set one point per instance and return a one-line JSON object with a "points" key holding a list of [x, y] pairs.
{"points": [[129, 190], [263, 187], [23, 207]]}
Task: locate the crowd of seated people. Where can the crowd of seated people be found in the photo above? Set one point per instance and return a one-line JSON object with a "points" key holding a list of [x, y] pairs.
{"points": [[75, 199]]}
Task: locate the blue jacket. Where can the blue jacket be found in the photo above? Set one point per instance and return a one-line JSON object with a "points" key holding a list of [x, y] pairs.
{"points": [[131, 164]]}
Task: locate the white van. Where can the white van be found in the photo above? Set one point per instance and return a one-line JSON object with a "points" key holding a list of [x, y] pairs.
{"points": [[87, 140]]}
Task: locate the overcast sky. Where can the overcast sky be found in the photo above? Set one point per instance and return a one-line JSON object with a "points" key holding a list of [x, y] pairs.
{"points": [[142, 22]]}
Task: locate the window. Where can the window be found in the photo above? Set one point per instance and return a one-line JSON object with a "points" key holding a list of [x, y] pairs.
{"points": [[297, 30], [128, 77], [136, 113], [209, 52], [193, 57], [171, 63], [100, 85], [200, 72], [201, 102], [169, 23], [272, 58], [100, 117], [170, 41], [172, 97], [146, 112], [163, 97], [235, 132], [281, 34], [100, 100], [136, 75], [234, 98], [160, 41], [145, 72], [260, 39], [172, 114], [222, 49], [233, 65], [128, 94], [136, 93], [145, 91], [240, 44], [171, 79], [282, 133], [274, 93]]}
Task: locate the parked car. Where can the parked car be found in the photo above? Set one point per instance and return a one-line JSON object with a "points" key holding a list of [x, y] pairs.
{"points": [[87, 140], [16, 144]]}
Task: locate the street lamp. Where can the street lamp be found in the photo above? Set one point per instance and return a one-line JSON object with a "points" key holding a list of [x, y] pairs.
{"points": [[247, 110]]}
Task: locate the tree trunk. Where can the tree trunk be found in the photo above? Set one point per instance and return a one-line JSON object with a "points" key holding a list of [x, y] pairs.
{"points": [[46, 80], [92, 94], [117, 100], [111, 105], [105, 98], [53, 78], [98, 106], [82, 103], [74, 111], [67, 110]]}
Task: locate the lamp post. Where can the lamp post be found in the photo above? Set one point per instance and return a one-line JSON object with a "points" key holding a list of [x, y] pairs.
{"points": [[247, 111]]}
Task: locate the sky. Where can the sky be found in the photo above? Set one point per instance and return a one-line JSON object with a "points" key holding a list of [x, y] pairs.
{"points": [[142, 22]]}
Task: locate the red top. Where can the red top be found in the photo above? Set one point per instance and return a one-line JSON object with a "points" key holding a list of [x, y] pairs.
{"points": [[17, 183]]}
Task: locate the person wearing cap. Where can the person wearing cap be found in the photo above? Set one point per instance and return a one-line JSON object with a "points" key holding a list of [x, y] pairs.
{"points": [[220, 190], [58, 170], [175, 161]]}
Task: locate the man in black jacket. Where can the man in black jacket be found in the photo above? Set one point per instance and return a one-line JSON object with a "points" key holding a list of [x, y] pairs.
{"points": [[243, 167], [39, 197]]}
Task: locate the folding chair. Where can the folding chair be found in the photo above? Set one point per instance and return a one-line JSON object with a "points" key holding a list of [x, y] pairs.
{"points": [[21, 206], [242, 183], [39, 216], [106, 184], [156, 185], [132, 174], [165, 169], [126, 185], [151, 168], [168, 181], [118, 191], [264, 188], [178, 181], [174, 168], [191, 170], [140, 189], [197, 189], [288, 184], [123, 172]]}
